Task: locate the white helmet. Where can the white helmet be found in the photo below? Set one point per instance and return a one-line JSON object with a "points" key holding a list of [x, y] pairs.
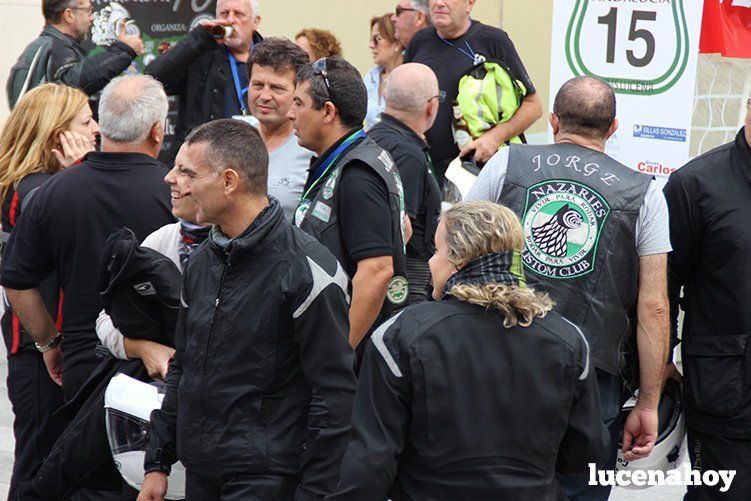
{"points": [[670, 447], [128, 403]]}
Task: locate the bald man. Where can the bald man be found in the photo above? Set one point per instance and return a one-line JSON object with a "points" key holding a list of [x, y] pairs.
{"points": [[578, 206], [412, 100]]}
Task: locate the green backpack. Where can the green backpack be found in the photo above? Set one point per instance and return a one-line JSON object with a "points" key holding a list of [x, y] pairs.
{"points": [[489, 93]]}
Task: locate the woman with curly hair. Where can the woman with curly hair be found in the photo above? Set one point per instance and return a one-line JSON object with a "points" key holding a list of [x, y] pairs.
{"points": [[485, 393], [318, 43], [49, 129]]}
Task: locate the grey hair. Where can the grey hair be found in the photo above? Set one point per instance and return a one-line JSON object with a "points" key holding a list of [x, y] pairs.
{"points": [[253, 5], [127, 116], [422, 6]]}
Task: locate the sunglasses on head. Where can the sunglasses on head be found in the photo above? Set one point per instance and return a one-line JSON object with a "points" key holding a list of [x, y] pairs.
{"points": [[319, 68]]}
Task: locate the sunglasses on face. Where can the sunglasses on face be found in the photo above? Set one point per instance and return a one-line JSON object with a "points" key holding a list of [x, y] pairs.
{"points": [[398, 10]]}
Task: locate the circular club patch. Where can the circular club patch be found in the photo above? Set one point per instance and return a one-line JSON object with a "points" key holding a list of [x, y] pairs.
{"points": [[562, 223], [398, 290]]}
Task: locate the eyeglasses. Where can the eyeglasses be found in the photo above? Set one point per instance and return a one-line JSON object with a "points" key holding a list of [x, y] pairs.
{"points": [[376, 39], [398, 10], [89, 10], [441, 96], [319, 68]]}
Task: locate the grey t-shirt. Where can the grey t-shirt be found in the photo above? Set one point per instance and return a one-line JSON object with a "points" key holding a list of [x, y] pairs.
{"points": [[288, 170], [652, 228]]}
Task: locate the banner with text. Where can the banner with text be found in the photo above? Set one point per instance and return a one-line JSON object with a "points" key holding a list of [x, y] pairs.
{"points": [[647, 50], [160, 23]]}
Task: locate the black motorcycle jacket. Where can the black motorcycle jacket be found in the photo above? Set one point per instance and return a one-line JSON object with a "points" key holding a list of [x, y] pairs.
{"points": [[263, 378]]}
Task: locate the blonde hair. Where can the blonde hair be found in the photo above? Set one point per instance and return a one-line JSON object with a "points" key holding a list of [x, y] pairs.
{"points": [[474, 229], [32, 130]]}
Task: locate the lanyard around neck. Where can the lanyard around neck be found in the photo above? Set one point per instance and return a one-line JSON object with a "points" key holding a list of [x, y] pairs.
{"points": [[324, 167], [236, 79], [469, 52]]}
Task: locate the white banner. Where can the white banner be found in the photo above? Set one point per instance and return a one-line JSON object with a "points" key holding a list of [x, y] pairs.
{"points": [[647, 50]]}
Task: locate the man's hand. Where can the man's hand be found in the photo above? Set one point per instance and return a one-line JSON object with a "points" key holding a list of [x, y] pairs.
{"points": [[74, 146], [155, 356], [154, 487], [132, 41], [639, 433], [484, 147], [53, 359]]}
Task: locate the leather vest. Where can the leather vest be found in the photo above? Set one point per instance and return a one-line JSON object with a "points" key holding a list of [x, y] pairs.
{"points": [[579, 210], [321, 219]]}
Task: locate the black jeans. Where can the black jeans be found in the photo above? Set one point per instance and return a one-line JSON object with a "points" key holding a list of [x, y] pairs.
{"points": [[34, 397], [713, 452], [239, 487]]}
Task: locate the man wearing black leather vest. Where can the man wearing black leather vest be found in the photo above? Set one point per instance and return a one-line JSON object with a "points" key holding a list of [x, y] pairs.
{"points": [[353, 200], [710, 207], [596, 239]]}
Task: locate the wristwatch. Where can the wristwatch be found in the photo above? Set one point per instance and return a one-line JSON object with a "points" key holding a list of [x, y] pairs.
{"points": [[52, 343]]}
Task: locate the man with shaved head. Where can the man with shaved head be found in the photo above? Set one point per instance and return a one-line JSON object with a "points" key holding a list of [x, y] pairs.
{"points": [[596, 239], [412, 99]]}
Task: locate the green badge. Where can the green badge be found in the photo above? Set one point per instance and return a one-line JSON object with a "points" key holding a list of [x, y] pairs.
{"points": [[398, 290], [562, 224]]}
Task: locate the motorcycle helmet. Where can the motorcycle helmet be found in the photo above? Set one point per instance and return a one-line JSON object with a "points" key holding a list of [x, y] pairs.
{"points": [[128, 403], [670, 447]]}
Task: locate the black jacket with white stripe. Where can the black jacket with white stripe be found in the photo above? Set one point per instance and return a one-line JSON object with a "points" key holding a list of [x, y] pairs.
{"points": [[263, 377], [452, 405]]}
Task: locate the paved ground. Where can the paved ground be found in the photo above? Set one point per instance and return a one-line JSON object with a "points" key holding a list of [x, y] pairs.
{"points": [[6, 454]]}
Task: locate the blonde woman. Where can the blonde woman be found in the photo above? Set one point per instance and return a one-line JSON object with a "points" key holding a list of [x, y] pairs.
{"points": [[50, 128], [485, 393]]}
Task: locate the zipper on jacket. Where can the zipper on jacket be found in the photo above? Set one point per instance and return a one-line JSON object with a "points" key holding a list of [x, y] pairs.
{"points": [[208, 344]]}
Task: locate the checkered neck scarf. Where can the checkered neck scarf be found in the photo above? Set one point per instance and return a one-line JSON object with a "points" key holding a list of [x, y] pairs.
{"points": [[191, 236], [495, 268]]}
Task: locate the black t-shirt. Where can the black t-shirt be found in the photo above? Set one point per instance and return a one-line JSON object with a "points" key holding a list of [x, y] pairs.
{"points": [[64, 227], [422, 195], [231, 102], [448, 60], [15, 201], [364, 214]]}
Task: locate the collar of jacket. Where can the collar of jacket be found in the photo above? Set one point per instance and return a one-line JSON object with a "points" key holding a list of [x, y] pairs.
{"points": [[266, 227], [54, 32], [403, 129], [744, 152]]}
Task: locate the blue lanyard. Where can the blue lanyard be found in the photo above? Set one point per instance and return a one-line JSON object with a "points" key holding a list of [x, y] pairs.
{"points": [[471, 54], [236, 78], [331, 158]]}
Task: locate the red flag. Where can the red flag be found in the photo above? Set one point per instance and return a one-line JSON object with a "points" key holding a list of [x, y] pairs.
{"points": [[726, 28]]}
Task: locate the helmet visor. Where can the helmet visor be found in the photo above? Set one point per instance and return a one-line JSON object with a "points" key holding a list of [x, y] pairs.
{"points": [[126, 433]]}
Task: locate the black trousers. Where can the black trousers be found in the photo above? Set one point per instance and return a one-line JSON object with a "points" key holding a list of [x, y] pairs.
{"points": [[239, 487], [713, 452], [34, 397]]}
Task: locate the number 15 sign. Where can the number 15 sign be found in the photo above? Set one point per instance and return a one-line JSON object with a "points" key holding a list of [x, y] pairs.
{"points": [[647, 50]]}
